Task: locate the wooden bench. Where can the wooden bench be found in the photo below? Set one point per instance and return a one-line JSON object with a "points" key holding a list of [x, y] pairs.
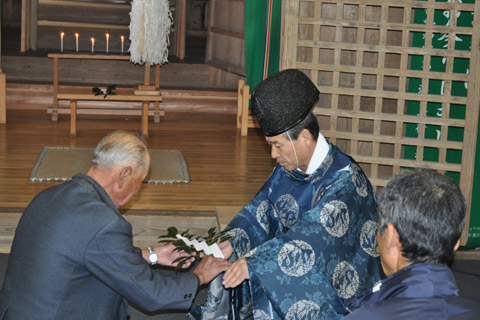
{"points": [[245, 118], [152, 94], [86, 94]]}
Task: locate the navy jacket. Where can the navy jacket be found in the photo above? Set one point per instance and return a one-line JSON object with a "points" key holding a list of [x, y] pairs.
{"points": [[420, 291], [72, 258]]}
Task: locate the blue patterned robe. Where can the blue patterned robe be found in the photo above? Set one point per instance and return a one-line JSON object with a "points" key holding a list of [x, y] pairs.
{"points": [[309, 242]]}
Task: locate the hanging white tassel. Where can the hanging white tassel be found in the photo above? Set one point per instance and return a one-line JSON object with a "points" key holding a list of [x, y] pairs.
{"points": [[150, 23]]}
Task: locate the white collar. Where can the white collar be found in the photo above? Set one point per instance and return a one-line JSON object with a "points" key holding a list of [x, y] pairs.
{"points": [[321, 151]]}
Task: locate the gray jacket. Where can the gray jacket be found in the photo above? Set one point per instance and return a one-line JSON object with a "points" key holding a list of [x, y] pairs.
{"points": [[72, 258]]}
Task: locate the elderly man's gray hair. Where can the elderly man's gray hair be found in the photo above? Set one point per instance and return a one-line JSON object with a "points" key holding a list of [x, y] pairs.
{"points": [[121, 148]]}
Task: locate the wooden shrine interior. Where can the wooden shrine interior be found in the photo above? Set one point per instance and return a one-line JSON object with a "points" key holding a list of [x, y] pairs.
{"points": [[359, 53]]}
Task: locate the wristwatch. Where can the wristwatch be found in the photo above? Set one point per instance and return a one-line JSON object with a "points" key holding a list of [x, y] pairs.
{"points": [[152, 256]]}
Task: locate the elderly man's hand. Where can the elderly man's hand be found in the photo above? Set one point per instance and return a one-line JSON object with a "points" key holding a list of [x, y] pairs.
{"points": [[166, 256], [209, 268], [236, 274]]}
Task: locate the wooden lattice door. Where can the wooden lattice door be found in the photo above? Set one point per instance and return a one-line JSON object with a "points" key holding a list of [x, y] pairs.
{"points": [[398, 80]]}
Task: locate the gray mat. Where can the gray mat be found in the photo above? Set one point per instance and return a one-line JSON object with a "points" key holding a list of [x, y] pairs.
{"points": [[61, 163]]}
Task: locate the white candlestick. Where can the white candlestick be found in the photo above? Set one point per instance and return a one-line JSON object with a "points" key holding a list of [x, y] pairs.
{"points": [[93, 44], [108, 37], [122, 38], [76, 42], [61, 40]]}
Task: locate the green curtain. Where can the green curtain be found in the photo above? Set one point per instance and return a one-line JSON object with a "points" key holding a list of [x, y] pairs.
{"points": [[256, 28], [474, 225], [0, 32]]}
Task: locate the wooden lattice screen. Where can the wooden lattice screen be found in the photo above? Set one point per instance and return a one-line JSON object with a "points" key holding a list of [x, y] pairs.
{"points": [[398, 80]]}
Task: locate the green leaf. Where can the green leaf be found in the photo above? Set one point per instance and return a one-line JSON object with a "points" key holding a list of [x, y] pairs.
{"points": [[172, 231], [180, 259], [210, 238], [97, 91], [225, 238]]}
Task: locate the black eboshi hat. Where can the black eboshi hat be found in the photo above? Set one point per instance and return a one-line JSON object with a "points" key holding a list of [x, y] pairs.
{"points": [[282, 100]]}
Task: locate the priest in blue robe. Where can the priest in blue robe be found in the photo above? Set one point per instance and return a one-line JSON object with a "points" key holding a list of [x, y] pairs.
{"points": [[305, 245]]}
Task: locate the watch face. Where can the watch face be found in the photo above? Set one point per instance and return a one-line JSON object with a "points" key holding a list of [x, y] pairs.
{"points": [[153, 257]]}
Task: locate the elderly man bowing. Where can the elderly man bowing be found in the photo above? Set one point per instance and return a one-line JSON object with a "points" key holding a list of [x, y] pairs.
{"points": [[72, 256], [306, 242]]}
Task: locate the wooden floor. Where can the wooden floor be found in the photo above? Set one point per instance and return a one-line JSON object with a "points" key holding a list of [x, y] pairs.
{"points": [[226, 170]]}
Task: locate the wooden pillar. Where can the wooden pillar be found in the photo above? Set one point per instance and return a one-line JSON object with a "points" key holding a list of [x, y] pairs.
{"points": [[156, 112], [33, 24], [55, 90], [146, 77], [145, 105], [73, 118], [25, 29], [157, 76], [3, 97], [146, 82], [28, 38], [180, 28]]}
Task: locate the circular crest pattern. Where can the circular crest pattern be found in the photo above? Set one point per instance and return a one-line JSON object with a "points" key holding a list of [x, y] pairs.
{"points": [[296, 258], [262, 210], [368, 238], [287, 209], [260, 315], [303, 310], [240, 241], [359, 180], [345, 280], [334, 217]]}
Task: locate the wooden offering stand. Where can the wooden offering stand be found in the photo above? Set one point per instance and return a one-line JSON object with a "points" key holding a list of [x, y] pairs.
{"points": [[145, 93]]}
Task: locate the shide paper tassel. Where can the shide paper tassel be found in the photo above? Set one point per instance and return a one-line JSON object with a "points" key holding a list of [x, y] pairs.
{"points": [[150, 23]]}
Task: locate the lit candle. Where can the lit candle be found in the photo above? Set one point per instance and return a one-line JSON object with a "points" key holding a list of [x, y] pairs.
{"points": [[122, 38], [108, 37], [93, 43], [61, 40], [76, 41]]}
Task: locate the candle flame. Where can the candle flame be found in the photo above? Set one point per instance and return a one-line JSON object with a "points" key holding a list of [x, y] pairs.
{"points": [[107, 35], [122, 37], [76, 35], [93, 40], [62, 34]]}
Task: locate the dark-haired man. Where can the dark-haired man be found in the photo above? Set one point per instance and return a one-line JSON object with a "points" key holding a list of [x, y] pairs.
{"points": [[421, 216], [306, 242]]}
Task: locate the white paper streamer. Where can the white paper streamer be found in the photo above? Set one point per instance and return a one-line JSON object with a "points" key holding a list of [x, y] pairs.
{"points": [[210, 250], [150, 23]]}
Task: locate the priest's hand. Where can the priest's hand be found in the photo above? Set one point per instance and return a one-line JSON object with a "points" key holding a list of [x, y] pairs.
{"points": [[236, 274], [226, 248], [166, 256], [209, 268]]}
